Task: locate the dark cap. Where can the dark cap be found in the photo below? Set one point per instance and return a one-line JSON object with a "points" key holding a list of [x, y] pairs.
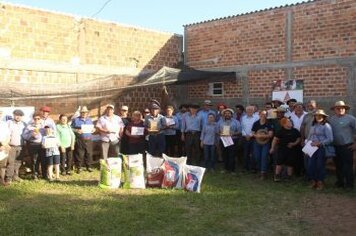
{"points": [[18, 112], [291, 100]]}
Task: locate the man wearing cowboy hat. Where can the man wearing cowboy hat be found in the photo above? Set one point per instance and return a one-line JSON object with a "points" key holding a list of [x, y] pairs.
{"points": [[343, 126], [232, 128], [83, 128], [205, 111]]}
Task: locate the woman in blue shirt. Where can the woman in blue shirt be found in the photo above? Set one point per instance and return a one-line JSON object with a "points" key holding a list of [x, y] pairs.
{"points": [[320, 135]]}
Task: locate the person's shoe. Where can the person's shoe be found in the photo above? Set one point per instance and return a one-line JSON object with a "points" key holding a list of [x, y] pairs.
{"points": [[63, 173], [69, 173], [17, 179], [89, 169], [319, 185], [7, 183], [78, 170], [263, 176], [312, 184], [277, 178]]}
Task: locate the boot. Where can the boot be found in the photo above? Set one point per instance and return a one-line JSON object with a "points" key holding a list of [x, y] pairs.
{"points": [[312, 184], [319, 185]]}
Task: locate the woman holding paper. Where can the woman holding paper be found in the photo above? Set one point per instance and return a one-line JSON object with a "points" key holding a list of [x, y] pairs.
{"points": [[320, 135], [135, 132]]}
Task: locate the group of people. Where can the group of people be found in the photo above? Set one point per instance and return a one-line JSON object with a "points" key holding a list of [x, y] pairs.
{"points": [[271, 138]]}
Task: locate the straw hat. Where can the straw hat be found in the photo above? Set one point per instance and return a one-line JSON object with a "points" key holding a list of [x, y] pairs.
{"points": [[340, 104], [84, 109], [320, 112], [228, 109]]}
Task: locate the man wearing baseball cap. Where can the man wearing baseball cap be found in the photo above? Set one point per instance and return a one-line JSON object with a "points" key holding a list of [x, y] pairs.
{"points": [[16, 142], [46, 120], [205, 111], [111, 129]]}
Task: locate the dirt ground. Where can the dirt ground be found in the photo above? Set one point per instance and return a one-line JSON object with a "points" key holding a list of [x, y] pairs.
{"points": [[330, 214]]}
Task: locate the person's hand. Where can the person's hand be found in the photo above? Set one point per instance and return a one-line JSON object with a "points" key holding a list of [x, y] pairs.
{"points": [[271, 151], [63, 150], [290, 145], [201, 144], [182, 138], [315, 143], [352, 147], [72, 148], [79, 131]]}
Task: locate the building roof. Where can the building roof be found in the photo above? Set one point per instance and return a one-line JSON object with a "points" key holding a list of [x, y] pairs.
{"points": [[252, 12]]}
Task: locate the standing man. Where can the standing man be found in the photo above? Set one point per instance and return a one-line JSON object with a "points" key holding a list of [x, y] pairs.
{"points": [[191, 128], [124, 115], [180, 116], [290, 104], [4, 148], [111, 129], [343, 126], [155, 124], [205, 111], [16, 142], [83, 128]]}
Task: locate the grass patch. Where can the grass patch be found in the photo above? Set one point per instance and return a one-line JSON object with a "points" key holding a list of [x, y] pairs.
{"points": [[228, 205]]}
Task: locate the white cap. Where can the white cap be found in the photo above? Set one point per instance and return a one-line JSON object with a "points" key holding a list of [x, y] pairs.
{"points": [[124, 108]]}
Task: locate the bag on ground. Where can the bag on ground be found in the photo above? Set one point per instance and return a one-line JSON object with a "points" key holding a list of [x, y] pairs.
{"points": [[133, 171], [154, 171], [110, 172], [193, 176], [173, 171]]}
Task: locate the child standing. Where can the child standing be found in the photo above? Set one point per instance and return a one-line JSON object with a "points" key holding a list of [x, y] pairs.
{"points": [[208, 141], [51, 145]]}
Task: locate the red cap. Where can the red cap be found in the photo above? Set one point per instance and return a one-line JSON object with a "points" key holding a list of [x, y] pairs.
{"points": [[45, 109]]}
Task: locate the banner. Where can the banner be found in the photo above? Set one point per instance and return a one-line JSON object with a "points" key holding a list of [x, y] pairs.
{"points": [[285, 90]]}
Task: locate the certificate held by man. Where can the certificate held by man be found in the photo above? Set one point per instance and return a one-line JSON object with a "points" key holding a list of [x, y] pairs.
{"points": [[138, 131], [87, 129]]}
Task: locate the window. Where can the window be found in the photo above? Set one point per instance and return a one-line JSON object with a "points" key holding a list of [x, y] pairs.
{"points": [[216, 89]]}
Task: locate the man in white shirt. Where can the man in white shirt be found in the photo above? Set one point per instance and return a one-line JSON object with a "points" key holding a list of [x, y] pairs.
{"points": [[4, 147], [297, 115], [111, 129], [247, 122]]}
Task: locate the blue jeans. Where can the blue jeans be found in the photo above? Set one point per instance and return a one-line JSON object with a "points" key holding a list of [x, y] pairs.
{"points": [[344, 166], [316, 165], [156, 144], [260, 153], [209, 156], [247, 152]]}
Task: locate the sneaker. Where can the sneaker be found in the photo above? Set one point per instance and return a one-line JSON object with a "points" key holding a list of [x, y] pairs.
{"points": [[277, 178], [63, 173], [78, 170], [89, 169], [69, 173], [17, 179], [7, 183]]}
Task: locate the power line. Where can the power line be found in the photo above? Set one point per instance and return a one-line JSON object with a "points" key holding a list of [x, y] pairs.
{"points": [[101, 9]]}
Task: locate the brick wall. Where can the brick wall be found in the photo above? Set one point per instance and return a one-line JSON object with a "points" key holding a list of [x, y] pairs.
{"points": [[314, 41], [41, 48]]}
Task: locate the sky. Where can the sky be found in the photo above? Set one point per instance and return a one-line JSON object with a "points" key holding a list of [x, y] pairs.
{"points": [[168, 16]]}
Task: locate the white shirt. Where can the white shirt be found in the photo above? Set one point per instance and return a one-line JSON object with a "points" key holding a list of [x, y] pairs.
{"points": [[247, 123], [113, 124], [297, 121]]}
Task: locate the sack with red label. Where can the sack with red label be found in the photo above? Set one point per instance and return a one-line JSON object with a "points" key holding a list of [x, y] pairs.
{"points": [[193, 176], [154, 171], [173, 171]]}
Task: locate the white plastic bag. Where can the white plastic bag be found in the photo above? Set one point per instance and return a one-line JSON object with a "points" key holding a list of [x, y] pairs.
{"points": [[173, 171], [193, 176]]}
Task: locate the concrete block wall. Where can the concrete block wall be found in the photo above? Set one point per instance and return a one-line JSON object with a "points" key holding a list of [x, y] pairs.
{"points": [[65, 61]]}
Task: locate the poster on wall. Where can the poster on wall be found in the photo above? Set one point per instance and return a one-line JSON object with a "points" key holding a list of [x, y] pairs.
{"points": [[287, 89], [7, 113]]}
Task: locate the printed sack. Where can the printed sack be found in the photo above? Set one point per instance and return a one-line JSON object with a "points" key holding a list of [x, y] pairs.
{"points": [[133, 171], [154, 171], [193, 176], [110, 173], [173, 171]]}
